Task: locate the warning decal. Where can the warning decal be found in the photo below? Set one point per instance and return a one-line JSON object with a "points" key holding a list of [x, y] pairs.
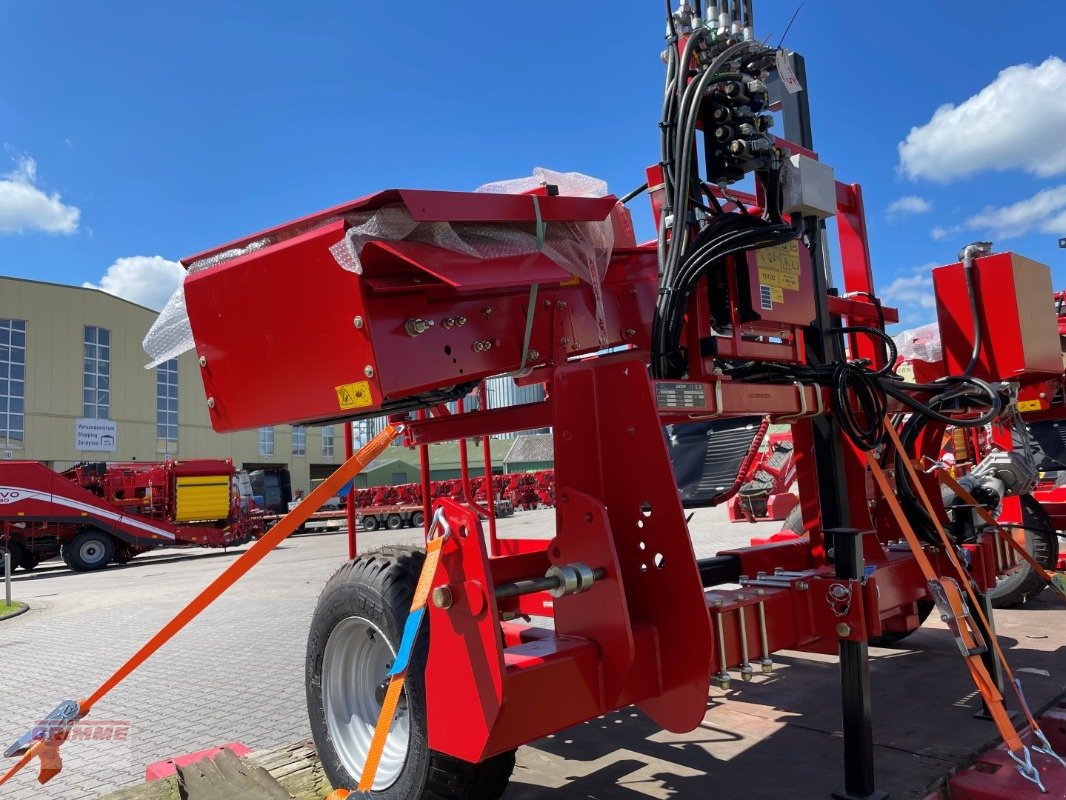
{"points": [[354, 395], [779, 266]]}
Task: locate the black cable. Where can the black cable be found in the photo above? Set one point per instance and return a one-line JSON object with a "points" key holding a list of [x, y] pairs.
{"points": [[630, 195]]}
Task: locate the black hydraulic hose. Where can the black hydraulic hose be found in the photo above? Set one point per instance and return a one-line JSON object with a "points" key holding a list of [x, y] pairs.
{"points": [[967, 257], [636, 192]]}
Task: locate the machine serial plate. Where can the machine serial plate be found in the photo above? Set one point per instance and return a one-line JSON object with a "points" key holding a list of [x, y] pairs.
{"points": [[681, 395]]}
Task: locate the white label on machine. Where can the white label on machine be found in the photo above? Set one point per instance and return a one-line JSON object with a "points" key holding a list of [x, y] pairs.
{"points": [[784, 71], [96, 435]]}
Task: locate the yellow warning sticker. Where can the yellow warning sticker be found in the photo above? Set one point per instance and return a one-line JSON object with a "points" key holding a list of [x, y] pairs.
{"points": [[779, 266], [354, 395], [777, 294], [1029, 405]]}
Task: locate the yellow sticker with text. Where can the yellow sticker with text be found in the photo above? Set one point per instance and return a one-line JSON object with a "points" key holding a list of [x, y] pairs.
{"points": [[1029, 405], [354, 395], [779, 266], [777, 294]]}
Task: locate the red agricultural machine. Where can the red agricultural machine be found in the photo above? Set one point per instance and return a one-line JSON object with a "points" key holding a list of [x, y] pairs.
{"points": [[96, 512], [409, 298]]}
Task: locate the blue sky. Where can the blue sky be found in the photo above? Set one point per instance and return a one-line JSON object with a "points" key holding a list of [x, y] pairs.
{"points": [[137, 133]]}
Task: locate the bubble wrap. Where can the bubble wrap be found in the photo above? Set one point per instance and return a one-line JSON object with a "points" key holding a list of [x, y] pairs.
{"points": [[581, 248], [920, 344], [171, 334]]}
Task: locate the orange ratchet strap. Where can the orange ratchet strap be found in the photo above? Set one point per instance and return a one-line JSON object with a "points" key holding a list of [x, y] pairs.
{"points": [[44, 739], [1056, 581], [398, 672], [954, 611]]}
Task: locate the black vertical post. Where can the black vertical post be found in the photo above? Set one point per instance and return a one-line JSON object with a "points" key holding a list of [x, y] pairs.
{"points": [[855, 681], [992, 664]]}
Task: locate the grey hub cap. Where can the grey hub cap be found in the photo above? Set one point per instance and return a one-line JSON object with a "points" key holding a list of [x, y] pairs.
{"points": [[92, 551], [353, 669]]}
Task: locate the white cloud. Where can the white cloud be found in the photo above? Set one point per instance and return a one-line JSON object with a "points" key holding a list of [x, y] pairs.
{"points": [[911, 204], [1044, 212], [145, 280], [940, 232], [26, 207], [1016, 122], [912, 294]]}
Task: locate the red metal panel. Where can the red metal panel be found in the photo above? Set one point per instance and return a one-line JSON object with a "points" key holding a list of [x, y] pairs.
{"points": [[1019, 328], [596, 435]]}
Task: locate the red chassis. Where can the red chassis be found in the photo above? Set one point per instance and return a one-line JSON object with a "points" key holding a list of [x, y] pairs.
{"points": [[649, 633]]}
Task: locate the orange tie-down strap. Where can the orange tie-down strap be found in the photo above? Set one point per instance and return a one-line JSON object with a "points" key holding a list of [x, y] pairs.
{"points": [[982, 679], [46, 748], [968, 637], [398, 673], [1057, 582]]}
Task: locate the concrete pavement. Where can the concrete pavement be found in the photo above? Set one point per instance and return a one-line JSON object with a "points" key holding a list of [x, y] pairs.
{"points": [[236, 674]]}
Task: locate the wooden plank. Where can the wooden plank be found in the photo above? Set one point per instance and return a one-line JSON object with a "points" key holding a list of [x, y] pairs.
{"points": [[294, 767]]}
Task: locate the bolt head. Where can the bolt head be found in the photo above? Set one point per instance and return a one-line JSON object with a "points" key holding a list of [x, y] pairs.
{"points": [[442, 597], [368, 371], [210, 402], [203, 361], [358, 322]]}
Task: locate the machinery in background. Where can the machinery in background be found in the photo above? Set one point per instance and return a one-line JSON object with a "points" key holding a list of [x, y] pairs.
{"points": [[98, 512]]}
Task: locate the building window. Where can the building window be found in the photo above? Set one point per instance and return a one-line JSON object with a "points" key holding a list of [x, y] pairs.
{"points": [[96, 387], [166, 406], [299, 440], [327, 442], [12, 382], [266, 441]]}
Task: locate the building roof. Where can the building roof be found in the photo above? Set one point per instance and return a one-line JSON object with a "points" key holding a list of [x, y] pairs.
{"points": [[531, 447], [80, 289], [378, 463]]}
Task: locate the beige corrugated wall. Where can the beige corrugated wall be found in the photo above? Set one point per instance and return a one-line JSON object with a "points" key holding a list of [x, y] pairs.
{"points": [[56, 317]]}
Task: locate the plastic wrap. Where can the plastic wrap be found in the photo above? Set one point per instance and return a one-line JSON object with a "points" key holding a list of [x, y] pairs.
{"points": [[581, 248], [171, 334], [920, 344]]}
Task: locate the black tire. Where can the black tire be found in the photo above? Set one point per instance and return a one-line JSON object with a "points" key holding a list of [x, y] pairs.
{"points": [[89, 550], [18, 554], [794, 521], [378, 587], [889, 638], [370, 522], [418, 519], [394, 522], [1021, 587], [29, 560]]}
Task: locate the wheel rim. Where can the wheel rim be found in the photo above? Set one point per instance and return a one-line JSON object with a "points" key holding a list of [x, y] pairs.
{"points": [[356, 659], [91, 551]]}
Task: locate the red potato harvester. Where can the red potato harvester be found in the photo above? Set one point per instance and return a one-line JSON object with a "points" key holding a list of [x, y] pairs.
{"points": [[404, 300]]}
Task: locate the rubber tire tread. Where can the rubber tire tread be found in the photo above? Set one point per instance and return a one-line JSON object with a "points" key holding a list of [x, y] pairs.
{"points": [[1044, 548], [389, 575], [73, 560]]}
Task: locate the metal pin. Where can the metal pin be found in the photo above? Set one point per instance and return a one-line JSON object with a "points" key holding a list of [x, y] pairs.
{"points": [[722, 678], [745, 666], [766, 662]]}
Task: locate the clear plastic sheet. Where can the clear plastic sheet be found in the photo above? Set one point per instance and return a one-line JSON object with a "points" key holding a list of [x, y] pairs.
{"points": [[920, 344], [171, 334], [581, 248]]}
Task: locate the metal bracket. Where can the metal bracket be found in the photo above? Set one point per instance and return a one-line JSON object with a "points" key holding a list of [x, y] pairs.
{"points": [[955, 620], [53, 727]]}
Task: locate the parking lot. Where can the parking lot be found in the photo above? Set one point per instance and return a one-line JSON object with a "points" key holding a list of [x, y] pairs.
{"points": [[236, 674]]}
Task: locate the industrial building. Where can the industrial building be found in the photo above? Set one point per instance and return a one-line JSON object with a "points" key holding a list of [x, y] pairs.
{"points": [[73, 388]]}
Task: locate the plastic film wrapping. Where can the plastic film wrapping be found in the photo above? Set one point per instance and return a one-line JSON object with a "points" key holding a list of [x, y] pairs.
{"points": [[581, 248], [171, 334], [920, 344]]}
